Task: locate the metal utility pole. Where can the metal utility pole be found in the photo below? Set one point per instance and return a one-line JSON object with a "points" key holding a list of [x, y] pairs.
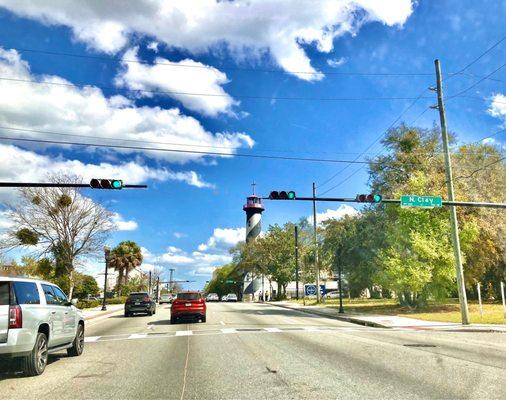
{"points": [[453, 213], [317, 265], [296, 262], [340, 276], [107, 252], [149, 284], [171, 271], [158, 289]]}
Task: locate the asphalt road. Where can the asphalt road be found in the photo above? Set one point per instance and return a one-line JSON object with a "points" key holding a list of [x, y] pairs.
{"points": [[258, 351]]}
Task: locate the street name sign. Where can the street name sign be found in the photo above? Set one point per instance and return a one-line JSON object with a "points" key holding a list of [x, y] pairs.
{"points": [[421, 201]]}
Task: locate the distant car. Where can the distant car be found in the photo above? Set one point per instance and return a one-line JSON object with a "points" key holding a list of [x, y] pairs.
{"points": [[37, 319], [188, 305], [231, 297], [165, 299], [212, 297], [224, 297], [139, 302], [332, 295]]}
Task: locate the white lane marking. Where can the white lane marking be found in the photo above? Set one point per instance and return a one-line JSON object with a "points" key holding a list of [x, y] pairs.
{"points": [[184, 333], [273, 330], [311, 329], [229, 330], [221, 322], [289, 321], [138, 336], [260, 312], [90, 339], [150, 327]]}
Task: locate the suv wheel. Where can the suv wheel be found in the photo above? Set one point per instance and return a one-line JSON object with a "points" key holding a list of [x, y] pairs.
{"points": [[35, 363], [78, 343]]}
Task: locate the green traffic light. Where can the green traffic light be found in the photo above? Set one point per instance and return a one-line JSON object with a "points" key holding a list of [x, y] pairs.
{"points": [[377, 198], [117, 184], [291, 195]]}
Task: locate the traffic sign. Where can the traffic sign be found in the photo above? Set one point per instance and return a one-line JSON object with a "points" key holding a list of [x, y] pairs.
{"points": [[310, 290], [421, 201]]}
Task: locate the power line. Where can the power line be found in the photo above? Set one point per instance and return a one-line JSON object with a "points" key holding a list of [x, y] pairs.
{"points": [[179, 65], [476, 83], [210, 153], [180, 93]]}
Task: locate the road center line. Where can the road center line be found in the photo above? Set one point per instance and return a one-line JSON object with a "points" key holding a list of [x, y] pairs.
{"points": [[229, 330], [137, 336], [273, 329], [89, 339]]}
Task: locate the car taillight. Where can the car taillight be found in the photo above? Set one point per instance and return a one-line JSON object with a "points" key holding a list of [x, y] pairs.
{"points": [[15, 317]]}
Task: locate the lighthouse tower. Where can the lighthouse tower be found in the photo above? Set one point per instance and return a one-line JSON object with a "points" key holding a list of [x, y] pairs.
{"points": [[253, 209]]}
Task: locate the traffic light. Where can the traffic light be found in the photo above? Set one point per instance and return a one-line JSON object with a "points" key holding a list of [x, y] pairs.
{"points": [[106, 184], [282, 195], [369, 198]]}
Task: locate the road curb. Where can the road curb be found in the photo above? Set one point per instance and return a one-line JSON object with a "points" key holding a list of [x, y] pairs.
{"points": [[338, 317]]}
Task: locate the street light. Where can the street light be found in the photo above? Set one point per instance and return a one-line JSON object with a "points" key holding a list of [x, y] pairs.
{"points": [[107, 252]]}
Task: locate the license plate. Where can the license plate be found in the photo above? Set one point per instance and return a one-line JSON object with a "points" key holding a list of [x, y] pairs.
{"points": [[137, 304], [188, 304]]}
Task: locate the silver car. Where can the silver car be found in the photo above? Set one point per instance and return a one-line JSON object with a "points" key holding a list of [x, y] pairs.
{"points": [[37, 319]]}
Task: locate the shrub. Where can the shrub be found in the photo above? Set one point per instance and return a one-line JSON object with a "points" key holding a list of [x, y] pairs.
{"points": [[88, 303], [117, 300]]}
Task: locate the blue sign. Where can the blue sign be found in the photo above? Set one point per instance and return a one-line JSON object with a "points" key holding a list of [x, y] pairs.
{"points": [[310, 290]]}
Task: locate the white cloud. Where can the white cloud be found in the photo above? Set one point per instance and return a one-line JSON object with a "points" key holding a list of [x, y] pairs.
{"points": [[204, 271], [26, 166], [224, 238], [338, 213], [87, 111], [336, 62], [153, 46], [280, 28], [498, 106], [122, 225], [197, 78], [180, 235]]}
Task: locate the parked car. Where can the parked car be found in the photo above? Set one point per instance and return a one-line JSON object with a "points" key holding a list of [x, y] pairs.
{"points": [[224, 297], [36, 319], [139, 302], [332, 295], [188, 305], [212, 297], [231, 297], [165, 298]]}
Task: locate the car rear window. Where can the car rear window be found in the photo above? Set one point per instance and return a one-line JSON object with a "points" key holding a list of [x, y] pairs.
{"points": [[137, 296], [4, 293], [26, 292], [188, 296]]}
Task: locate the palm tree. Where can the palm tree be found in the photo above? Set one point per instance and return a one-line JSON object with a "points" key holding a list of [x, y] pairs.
{"points": [[125, 257]]}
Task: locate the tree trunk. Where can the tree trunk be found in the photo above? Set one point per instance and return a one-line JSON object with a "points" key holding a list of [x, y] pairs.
{"points": [[119, 283], [71, 286]]}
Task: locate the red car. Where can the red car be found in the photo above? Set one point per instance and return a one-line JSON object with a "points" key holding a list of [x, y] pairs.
{"points": [[188, 305]]}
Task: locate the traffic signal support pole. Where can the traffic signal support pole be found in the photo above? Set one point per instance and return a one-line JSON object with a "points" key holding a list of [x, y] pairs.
{"points": [[317, 265], [453, 212]]}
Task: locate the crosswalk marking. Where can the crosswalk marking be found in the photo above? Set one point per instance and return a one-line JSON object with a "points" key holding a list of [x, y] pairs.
{"points": [[90, 339], [221, 322], [137, 336], [184, 333], [229, 330], [273, 330]]}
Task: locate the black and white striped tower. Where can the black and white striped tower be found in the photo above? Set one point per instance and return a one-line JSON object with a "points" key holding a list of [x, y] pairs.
{"points": [[254, 209]]}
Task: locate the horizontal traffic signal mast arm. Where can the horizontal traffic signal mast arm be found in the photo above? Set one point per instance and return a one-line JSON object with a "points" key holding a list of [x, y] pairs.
{"points": [[397, 201], [73, 185]]}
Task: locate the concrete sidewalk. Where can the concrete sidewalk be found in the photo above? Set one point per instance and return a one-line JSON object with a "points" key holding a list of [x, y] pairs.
{"points": [[96, 312], [389, 321]]}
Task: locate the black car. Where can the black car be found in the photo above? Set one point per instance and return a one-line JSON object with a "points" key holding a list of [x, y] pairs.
{"points": [[139, 302]]}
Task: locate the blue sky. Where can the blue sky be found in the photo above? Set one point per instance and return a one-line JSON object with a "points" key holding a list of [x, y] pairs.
{"points": [[249, 55]]}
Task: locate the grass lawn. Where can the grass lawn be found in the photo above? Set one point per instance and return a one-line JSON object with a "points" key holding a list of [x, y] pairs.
{"points": [[447, 311]]}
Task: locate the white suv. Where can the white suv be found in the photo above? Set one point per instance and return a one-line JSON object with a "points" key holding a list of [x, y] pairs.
{"points": [[36, 319]]}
